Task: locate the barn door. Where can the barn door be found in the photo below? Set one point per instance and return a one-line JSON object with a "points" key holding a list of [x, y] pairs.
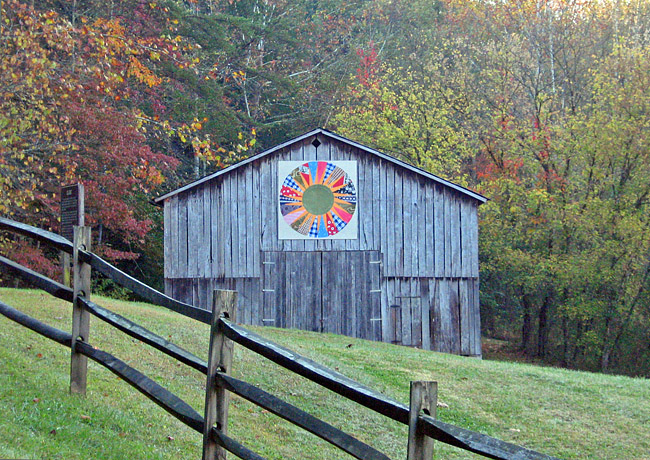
{"points": [[335, 292], [351, 294], [303, 290], [291, 290]]}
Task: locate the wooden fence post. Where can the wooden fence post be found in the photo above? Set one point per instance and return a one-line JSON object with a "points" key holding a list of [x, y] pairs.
{"points": [[80, 317], [219, 360], [424, 399]]}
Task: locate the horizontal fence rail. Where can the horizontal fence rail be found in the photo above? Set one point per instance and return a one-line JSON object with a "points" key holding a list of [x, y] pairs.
{"points": [[138, 332], [465, 439], [459, 437], [58, 290], [152, 390], [144, 291], [233, 446], [165, 399], [123, 279], [129, 327], [51, 239], [323, 430]]}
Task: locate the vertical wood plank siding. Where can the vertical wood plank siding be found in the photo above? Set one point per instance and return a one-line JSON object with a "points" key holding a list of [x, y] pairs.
{"points": [[167, 240], [206, 249], [182, 234], [417, 248]]}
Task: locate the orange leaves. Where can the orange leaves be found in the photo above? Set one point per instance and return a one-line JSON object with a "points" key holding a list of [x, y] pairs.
{"points": [[141, 73], [63, 118]]}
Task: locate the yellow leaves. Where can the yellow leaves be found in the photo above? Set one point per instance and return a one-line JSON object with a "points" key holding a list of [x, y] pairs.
{"points": [[239, 76], [141, 73]]}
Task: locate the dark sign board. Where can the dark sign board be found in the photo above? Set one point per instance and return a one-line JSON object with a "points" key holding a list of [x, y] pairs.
{"points": [[72, 209]]}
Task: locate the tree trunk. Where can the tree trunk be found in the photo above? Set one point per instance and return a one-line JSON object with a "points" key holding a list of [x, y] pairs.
{"points": [[565, 342], [527, 325], [607, 339], [542, 328], [577, 349], [604, 361]]}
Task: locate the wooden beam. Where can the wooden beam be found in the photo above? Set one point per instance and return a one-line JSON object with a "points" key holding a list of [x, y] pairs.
{"points": [[146, 336], [444, 432], [80, 317], [323, 430], [58, 290], [152, 390], [97, 263], [144, 291], [424, 398], [219, 360]]}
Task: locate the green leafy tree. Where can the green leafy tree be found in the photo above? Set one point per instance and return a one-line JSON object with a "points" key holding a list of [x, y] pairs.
{"points": [[413, 115]]}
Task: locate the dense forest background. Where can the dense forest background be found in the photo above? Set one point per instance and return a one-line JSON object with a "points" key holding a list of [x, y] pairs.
{"points": [[541, 105]]}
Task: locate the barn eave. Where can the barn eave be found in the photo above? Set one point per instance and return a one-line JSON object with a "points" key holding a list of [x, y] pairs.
{"points": [[320, 131]]}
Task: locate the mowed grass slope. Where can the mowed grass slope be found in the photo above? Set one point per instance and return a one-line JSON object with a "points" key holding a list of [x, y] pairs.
{"points": [[571, 415]]}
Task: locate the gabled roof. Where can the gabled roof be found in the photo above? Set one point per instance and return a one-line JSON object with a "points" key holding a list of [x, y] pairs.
{"points": [[331, 135]]}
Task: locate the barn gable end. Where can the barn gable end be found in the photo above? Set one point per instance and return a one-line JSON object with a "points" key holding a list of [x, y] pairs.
{"points": [[408, 275]]}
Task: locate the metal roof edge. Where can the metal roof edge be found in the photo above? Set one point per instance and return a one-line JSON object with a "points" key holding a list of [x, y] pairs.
{"points": [[410, 167], [236, 165], [440, 180]]}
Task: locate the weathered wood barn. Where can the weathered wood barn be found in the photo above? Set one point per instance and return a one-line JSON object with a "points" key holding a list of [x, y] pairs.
{"points": [[324, 234]]}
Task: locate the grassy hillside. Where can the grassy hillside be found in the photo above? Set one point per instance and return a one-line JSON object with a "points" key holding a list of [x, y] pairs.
{"points": [[563, 413]]}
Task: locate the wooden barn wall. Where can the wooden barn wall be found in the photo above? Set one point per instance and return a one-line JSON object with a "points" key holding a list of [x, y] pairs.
{"points": [[199, 292], [433, 314], [422, 229], [218, 234]]}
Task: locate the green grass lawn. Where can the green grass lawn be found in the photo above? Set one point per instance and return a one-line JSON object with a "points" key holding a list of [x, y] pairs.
{"points": [[568, 414]]}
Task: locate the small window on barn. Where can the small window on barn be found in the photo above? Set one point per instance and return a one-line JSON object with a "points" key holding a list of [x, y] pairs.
{"points": [[315, 142]]}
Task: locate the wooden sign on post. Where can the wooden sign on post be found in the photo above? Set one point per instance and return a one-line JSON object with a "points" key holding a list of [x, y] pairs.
{"points": [[72, 215], [72, 209]]}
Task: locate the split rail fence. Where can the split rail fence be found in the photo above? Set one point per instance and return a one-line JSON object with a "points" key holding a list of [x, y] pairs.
{"points": [[424, 428]]}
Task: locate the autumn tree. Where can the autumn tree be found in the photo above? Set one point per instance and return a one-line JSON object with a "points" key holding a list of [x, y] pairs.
{"points": [[66, 115], [545, 234], [537, 98], [412, 112]]}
